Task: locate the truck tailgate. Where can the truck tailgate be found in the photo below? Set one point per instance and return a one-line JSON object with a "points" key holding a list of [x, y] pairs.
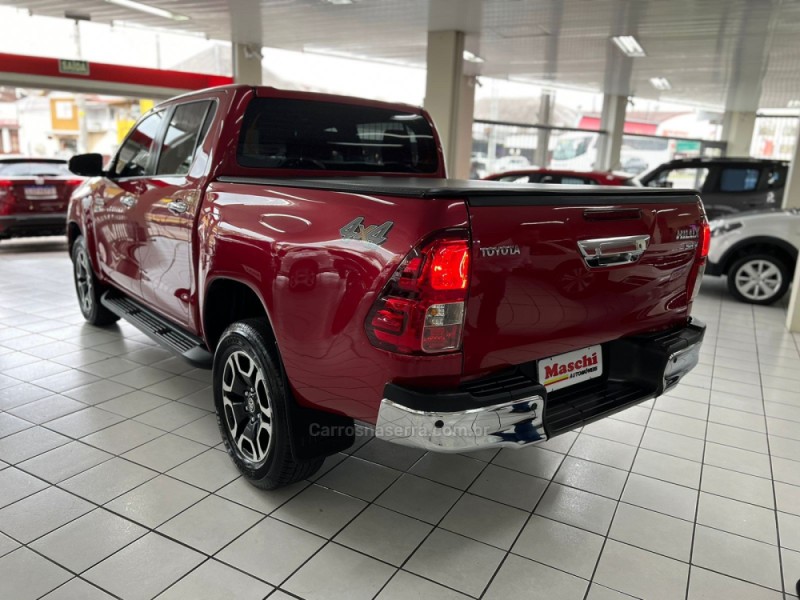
{"points": [[552, 275]]}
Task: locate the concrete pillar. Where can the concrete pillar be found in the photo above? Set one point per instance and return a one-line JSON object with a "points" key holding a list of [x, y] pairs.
{"points": [[612, 120], [737, 130], [462, 160], [246, 63], [791, 193], [450, 98], [543, 135], [791, 199]]}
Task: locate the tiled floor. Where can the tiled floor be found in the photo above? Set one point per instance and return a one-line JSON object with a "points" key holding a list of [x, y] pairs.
{"points": [[112, 482]]}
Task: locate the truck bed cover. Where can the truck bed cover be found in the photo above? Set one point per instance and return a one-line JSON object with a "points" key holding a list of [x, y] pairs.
{"points": [[477, 192]]}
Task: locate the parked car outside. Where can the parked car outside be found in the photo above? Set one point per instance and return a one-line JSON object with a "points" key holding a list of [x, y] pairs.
{"points": [[634, 165], [512, 161], [34, 193], [564, 177], [478, 168], [727, 185], [757, 252], [579, 150]]}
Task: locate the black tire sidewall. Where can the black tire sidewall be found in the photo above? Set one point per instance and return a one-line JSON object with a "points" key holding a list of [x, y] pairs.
{"points": [[786, 279], [248, 337], [94, 316]]}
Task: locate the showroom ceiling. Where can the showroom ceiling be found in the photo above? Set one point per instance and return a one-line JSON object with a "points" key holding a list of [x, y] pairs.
{"points": [[742, 54]]}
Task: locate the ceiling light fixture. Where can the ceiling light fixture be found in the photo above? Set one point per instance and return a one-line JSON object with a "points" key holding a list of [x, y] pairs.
{"points": [[660, 83], [629, 45], [338, 2], [150, 10], [473, 58], [793, 104]]}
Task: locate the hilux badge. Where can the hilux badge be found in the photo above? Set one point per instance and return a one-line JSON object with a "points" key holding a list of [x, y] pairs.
{"points": [[501, 251], [686, 233]]}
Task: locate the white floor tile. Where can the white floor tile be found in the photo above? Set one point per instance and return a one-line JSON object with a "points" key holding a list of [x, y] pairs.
{"points": [[145, 568], [456, 562], [640, 573], [737, 556], [522, 578], [338, 573], [559, 545], [73, 396]]}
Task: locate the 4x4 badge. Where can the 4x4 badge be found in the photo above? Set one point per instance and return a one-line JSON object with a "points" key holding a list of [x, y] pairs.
{"points": [[375, 234]]}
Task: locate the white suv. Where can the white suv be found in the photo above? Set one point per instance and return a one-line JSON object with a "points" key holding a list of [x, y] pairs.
{"points": [[757, 252]]}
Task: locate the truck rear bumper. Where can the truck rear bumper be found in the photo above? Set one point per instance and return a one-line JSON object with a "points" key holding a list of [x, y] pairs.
{"points": [[512, 409], [23, 225]]}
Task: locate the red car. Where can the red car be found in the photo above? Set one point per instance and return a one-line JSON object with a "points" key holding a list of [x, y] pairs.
{"points": [[34, 193], [558, 176], [311, 251]]}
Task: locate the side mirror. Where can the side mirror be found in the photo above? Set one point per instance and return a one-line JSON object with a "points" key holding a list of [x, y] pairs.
{"points": [[87, 165]]}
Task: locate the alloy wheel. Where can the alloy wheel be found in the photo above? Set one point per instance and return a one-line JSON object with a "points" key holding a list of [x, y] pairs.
{"points": [[247, 406], [83, 280], [758, 279]]}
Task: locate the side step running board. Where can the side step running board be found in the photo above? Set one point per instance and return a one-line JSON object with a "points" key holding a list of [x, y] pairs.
{"points": [[159, 329]]}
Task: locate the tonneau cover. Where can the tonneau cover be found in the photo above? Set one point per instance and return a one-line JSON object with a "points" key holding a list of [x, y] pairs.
{"points": [[424, 187]]}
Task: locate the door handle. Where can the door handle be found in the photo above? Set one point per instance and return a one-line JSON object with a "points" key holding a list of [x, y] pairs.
{"points": [[128, 200], [177, 207], [607, 252]]}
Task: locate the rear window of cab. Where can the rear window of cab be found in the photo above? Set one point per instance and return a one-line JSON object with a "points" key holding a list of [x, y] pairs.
{"points": [[280, 133]]}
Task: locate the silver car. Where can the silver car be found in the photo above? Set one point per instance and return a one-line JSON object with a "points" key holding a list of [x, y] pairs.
{"points": [[757, 251]]}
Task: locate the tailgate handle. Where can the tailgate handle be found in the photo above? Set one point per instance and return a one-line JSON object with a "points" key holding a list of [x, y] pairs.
{"points": [[608, 252]]}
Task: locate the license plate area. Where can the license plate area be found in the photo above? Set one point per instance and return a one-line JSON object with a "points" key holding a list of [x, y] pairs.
{"points": [[570, 368], [41, 192]]}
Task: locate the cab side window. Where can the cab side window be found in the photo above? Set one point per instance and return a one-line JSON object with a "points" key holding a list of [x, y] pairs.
{"points": [[685, 178], [738, 179], [185, 133], [134, 157]]}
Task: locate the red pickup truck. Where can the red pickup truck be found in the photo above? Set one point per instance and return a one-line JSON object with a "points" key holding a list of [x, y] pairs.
{"points": [[311, 251]]}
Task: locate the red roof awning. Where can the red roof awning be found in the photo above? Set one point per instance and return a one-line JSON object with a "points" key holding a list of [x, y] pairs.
{"points": [[101, 78]]}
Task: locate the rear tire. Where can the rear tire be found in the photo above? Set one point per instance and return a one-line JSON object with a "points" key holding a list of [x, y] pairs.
{"points": [[88, 288], [251, 400], [758, 279]]}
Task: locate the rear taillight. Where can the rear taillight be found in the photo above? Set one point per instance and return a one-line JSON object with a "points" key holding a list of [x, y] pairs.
{"points": [[7, 198], [73, 182], [705, 242], [421, 309]]}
